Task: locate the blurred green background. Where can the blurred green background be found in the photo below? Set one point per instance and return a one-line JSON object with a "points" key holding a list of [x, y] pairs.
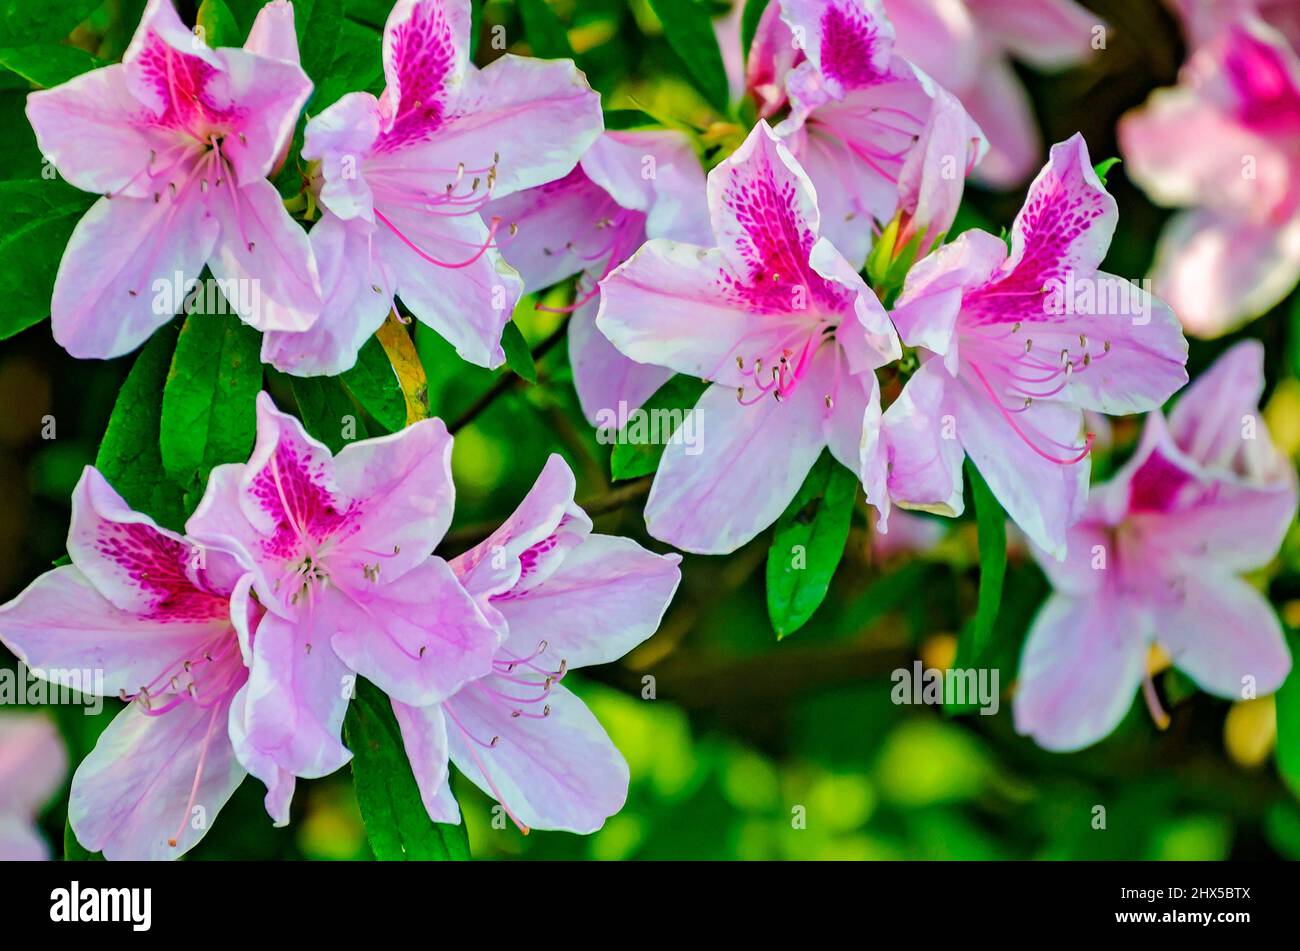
{"points": [[752, 749]]}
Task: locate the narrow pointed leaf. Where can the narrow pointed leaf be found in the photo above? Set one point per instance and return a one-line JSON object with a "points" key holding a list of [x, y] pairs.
{"points": [[808, 545]]}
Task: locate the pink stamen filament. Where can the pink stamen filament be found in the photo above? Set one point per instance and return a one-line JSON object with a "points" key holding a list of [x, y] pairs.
{"points": [[1023, 435], [198, 776], [487, 777], [488, 243]]}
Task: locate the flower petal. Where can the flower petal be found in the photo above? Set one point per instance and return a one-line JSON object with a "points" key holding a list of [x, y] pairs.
{"points": [[424, 735], [279, 781], [607, 596], [1225, 636], [532, 543], [531, 119], [924, 454], [1067, 220], [88, 128], [357, 296], [130, 795], [419, 638], [448, 281], [33, 762], [1081, 666], [1217, 272], [126, 263], [298, 691], [403, 482], [426, 53], [560, 771], [716, 494], [263, 249], [1044, 498]]}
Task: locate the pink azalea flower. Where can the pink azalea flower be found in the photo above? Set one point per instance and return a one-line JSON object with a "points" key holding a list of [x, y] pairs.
{"points": [[875, 136], [164, 621], [968, 45], [1204, 19], [1225, 145], [630, 186], [564, 598], [338, 550], [32, 767], [179, 139], [1156, 559], [1015, 346], [404, 177], [785, 329]]}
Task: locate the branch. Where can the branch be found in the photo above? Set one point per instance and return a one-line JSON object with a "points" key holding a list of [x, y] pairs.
{"points": [[508, 381]]}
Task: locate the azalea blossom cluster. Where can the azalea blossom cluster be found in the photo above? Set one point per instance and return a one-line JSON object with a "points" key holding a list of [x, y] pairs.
{"points": [[1224, 147], [236, 643]]}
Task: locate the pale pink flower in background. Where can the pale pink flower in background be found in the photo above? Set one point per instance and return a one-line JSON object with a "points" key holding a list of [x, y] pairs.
{"points": [[1203, 19], [33, 765], [1156, 559], [1015, 346], [564, 598], [629, 186], [403, 179], [1225, 145], [967, 47], [163, 620], [876, 136], [178, 139], [339, 551], [783, 327], [909, 534]]}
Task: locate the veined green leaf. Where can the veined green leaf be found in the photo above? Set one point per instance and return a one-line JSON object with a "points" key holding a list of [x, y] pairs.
{"points": [[374, 383], [327, 412], [544, 31], [397, 824], [808, 544], [129, 455], [519, 357], [209, 402], [36, 220], [688, 27]]}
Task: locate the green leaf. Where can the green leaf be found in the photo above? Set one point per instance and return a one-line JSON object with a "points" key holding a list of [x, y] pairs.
{"points": [[397, 824], [374, 383], [619, 119], [808, 544], [635, 454], [129, 456], [519, 357], [23, 22], [749, 20], [326, 411], [209, 413], [1103, 168], [544, 31], [74, 851], [36, 220], [218, 24], [48, 64], [688, 27], [1287, 700], [992, 524]]}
